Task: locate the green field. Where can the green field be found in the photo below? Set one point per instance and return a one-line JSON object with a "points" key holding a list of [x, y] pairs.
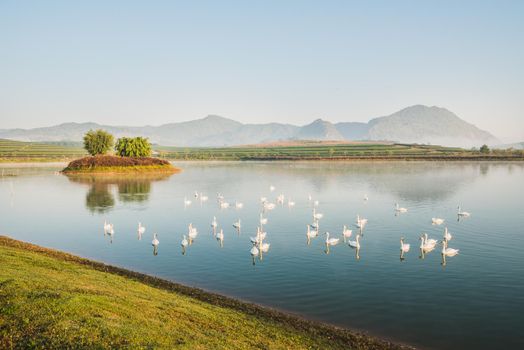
{"points": [[53, 300], [34, 151], [325, 152]]}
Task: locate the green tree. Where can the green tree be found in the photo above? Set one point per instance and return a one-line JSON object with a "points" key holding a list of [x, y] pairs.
{"points": [[133, 147], [98, 142], [484, 149]]}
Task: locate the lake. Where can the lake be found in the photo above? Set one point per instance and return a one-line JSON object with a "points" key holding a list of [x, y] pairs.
{"points": [[472, 300]]}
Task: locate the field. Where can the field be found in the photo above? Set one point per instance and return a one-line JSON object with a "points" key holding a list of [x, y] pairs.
{"points": [[53, 300], [322, 151], [36, 151]]}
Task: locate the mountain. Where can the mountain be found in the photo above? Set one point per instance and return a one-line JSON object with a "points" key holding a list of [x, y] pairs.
{"points": [[415, 124], [423, 124], [319, 130]]}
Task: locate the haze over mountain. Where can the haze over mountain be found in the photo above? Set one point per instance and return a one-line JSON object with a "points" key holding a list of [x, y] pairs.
{"points": [[415, 124]]}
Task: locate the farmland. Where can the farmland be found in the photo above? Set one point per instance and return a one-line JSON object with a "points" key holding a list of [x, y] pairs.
{"points": [[36, 151]]}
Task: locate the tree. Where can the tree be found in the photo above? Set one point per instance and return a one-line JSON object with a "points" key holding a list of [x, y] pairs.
{"points": [[98, 142], [133, 147], [484, 149]]}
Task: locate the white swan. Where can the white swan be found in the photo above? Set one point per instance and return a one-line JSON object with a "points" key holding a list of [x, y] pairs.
{"points": [[315, 225], [366, 198], [271, 188], [107, 226], [290, 203], [437, 221], [264, 247], [237, 224], [331, 241], [311, 233], [263, 220], [423, 247], [361, 222], [214, 223], [155, 242], [309, 197], [346, 232], [220, 235], [269, 206], [355, 243], [192, 232], [447, 235], [203, 198], [404, 247], [316, 203], [239, 205], [141, 229], [430, 242], [196, 194], [462, 213], [187, 201], [184, 242], [280, 198], [263, 200], [448, 251], [400, 209], [224, 205], [317, 216], [254, 251]]}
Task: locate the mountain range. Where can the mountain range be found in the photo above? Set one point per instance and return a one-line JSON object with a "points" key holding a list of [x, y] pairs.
{"points": [[415, 124]]}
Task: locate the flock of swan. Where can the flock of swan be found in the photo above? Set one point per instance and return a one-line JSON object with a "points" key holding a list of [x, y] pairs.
{"points": [[259, 245]]}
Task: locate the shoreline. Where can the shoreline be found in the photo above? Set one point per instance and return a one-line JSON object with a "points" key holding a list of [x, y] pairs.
{"points": [[351, 338]]}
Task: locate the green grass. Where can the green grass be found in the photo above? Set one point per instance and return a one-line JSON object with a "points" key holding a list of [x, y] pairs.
{"points": [[54, 300], [36, 151]]}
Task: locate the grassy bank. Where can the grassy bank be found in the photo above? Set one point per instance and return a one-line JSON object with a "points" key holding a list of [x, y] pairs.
{"points": [[50, 299], [106, 164]]}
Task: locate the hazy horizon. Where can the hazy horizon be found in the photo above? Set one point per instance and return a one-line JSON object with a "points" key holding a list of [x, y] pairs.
{"points": [[124, 63]]}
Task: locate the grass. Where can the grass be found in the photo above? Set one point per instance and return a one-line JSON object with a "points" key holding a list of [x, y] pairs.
{"points": [[54, 300], [36, 151]]}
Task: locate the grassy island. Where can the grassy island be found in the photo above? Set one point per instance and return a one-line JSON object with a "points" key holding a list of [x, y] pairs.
{"points": [[113, 164], [54, 300]]}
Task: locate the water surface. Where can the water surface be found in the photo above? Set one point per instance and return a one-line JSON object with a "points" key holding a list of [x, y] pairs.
{"points": [[472, 300]]}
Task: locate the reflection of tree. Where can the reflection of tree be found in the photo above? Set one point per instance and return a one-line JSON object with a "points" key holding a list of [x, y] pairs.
{"points": [[131, 188], [99, 199]]}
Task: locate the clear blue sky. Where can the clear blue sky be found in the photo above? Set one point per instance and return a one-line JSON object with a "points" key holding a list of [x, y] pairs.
{"points": [[154, 62]]}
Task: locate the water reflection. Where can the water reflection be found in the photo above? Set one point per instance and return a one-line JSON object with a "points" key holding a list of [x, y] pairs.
{"points": [[100, 197]]}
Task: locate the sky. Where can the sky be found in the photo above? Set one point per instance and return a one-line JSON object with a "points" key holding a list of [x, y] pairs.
{"points": [[155, 62]]}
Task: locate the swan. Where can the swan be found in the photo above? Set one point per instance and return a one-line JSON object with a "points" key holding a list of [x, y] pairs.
{"points": [[254, 251], [448, 251], [237, 224], [111, 230], [331, 241], [290, 203], [220, 197], [203, 198], [462, 213], [430, 242], [263, 220], [271, 188], [196, 194], [263, 200], [187, 201], [366, 197], [400, 209], [317, 216], [107, 226], [155, 240], [224, 205], [404, 247], [239, 205], [141, 229], [214, 223], [426, 248], [311, 233], [361, 222], [269, 206], [184, 242], [315, 225], [309, 197], [346, 232], [280, 198], [264, 247], [437, 221], [356, 243], [447, 235], [192, 232], [220, 235], [316, 203]]}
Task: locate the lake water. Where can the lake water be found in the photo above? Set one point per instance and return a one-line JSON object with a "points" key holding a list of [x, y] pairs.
{"points": [[473, 300]]}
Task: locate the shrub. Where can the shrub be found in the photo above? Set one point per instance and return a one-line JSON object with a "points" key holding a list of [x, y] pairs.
{"points": [[98, 142], [133, 147]]}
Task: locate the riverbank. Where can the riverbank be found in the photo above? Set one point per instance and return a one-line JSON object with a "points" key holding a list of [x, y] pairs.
{"points": [[105, 164], [50, 299]]}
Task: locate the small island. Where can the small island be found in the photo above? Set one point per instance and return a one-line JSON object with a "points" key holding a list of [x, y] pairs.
{"points": [[132, 154]]}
